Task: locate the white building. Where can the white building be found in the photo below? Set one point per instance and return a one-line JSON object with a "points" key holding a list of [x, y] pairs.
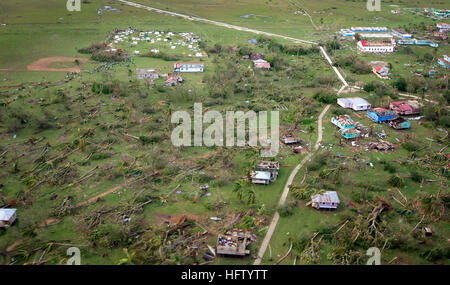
{"points": [[376, 46], [7, 217], [151, 74], [355, 103], [188, 67], [261, 177]]}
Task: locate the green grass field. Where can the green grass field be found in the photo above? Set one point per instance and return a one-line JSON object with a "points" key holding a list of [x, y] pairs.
{"points": [[61, 139]]}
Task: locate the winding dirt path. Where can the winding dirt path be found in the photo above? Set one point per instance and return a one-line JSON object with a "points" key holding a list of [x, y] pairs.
{"points": [[204, 20], [276, 217]]}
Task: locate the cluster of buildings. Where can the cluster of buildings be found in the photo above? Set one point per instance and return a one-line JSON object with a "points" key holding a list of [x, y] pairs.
{"points": [[150, 75], [387, 46], [267, 172], [172, 40], [438, 13], [391, 116]]}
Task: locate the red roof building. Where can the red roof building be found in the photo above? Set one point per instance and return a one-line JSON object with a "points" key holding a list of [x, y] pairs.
{"points": [[404, 108]]}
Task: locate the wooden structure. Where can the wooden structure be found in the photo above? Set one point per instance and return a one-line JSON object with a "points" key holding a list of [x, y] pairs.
{"points": [[233, 243]]}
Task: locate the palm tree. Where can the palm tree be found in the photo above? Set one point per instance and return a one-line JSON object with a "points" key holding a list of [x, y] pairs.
{"points": [[128, 260], [251, 196], [238, 189]]}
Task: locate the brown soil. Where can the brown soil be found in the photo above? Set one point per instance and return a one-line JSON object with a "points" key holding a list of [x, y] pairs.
{"points": [[43, 64]]}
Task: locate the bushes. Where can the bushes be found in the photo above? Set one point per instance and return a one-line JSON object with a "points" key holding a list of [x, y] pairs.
{"points": [[163, 56], [436, 254], [107, 56], [318, 161], [99, 53], [355, 64], [410, 146], [396, 181], [299, 50], [287, 209], [416, 176], [439, 115], [325, 80], [389, 167], [324, 96], [400, 84], [93, 48]]}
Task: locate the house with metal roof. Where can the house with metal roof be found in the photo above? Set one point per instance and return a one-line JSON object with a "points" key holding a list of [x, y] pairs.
{"points": [[261, 177], [355, 103], [261, 64], [188, 67], [7, 217], [380, 115], [404, 108], [376, 46], [399, 124], [327, 200], [401, 33], [343, 122], [445, 62], [150, 74]]}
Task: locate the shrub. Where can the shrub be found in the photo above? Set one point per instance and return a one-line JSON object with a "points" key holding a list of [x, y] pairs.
{"points": [[416, 176], [410, 146], [396, 181], [389, 167], [324, 96], [318, 161], [287, 209]]}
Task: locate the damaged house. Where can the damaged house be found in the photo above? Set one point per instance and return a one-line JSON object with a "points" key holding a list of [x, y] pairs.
{"points": [[404, 108], [149, 74], [399, 124], [173, 79], [267, 172], [347, 126], [380, 115], [290, 139], [261, 64], [381, 69]]}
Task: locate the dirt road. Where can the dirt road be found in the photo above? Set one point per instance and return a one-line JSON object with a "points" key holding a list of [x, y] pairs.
{"points": [[204, 20], [276, 217]]}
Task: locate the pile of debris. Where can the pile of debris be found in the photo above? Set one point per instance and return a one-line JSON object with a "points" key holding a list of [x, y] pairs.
{"points": [[234, 243], [381, 145]]}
